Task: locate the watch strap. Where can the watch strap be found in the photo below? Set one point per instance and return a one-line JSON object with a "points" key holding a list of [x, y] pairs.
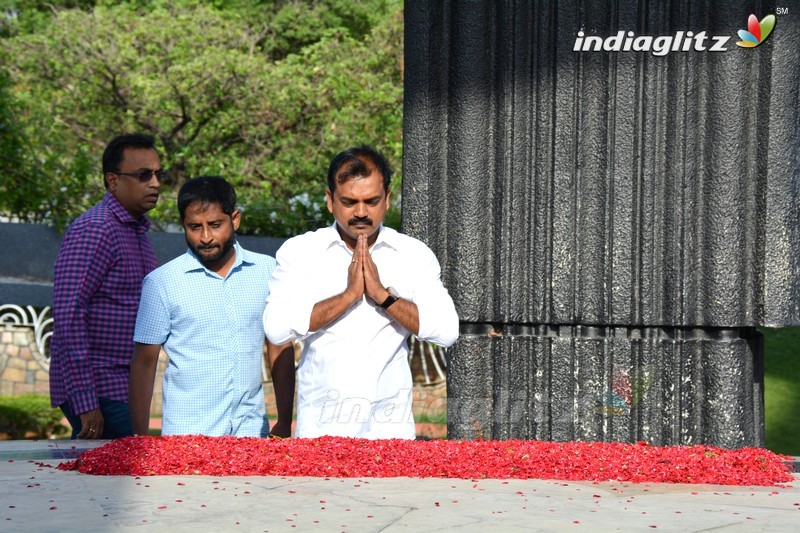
{"points": [[392, 298]]}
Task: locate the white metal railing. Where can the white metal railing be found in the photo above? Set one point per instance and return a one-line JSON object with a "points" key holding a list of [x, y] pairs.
{"points": [[424, 352], [40, 321]]}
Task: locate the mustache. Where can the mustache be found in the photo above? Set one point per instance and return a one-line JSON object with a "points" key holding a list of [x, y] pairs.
{"points": [[208, 247], [354, 221]]}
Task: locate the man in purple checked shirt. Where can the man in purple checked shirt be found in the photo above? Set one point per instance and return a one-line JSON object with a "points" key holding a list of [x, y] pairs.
{"points": [[104, 256]]}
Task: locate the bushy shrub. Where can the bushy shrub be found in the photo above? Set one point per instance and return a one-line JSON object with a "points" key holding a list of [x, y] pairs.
{"points": [[29, 415]]}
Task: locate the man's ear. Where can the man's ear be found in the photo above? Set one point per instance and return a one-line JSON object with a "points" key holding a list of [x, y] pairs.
{"points": [[111, 179], [236, 217], [329, 198]]}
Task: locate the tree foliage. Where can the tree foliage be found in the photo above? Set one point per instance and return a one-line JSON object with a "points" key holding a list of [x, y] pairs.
{"points": [[263, 93]]}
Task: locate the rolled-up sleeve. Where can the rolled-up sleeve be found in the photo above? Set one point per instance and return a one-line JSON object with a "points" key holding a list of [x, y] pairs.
{"points": [[287, 314], [438, 320]]}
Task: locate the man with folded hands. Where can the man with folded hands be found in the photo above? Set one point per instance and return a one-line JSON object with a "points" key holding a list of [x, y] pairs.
{"points": [[354, 292]]}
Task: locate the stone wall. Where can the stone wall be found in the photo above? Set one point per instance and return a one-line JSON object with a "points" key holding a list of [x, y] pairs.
{"points": [[23, 370]]}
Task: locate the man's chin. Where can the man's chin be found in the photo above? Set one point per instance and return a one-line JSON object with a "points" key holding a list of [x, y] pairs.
{"points": [[209, 256], [213, 258]]}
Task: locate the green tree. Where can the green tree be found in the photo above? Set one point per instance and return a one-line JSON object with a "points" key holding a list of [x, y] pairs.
{"points": [[28, 16], [261, 94], [11, 148], [36, 182]]}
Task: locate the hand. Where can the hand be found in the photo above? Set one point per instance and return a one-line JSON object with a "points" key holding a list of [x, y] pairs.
{"points": [[355, 273], [281, 430], [372, 280], [92, 425]]}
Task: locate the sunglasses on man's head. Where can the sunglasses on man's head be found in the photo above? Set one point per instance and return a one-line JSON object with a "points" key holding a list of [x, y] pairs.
{"points": [[144, 174]]}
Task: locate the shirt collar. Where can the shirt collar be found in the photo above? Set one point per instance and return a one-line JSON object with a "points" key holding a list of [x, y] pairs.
{"points": [[142, 225], [386, 237]]}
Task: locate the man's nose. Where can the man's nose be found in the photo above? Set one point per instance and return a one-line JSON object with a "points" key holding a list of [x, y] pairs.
{"points": [[154, 182], [205, 234], [361, 210]]}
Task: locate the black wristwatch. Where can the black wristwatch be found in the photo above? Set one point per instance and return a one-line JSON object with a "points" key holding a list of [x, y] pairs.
{"points": [[392, 298]]}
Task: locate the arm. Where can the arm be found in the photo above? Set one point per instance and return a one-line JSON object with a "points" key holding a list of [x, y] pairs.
{"points": [[152, 330], [140, 387], [286, 315], [281, 367], [403, 311], [84, 258], [328, 310], [291, 313], [437, 320]]}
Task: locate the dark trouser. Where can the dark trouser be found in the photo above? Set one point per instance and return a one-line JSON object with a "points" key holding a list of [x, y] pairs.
{"points": [[116, 419]]}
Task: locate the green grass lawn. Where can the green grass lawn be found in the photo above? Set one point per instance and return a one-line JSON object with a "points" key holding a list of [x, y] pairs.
{"points": [[782, 389]]}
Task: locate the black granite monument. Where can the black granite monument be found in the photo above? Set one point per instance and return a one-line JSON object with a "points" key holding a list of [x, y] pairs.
{"points": [[615, 215]]}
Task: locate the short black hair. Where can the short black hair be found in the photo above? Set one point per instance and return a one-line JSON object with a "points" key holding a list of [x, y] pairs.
{"points": [[359, 161], [114, 152], [207, 190]]}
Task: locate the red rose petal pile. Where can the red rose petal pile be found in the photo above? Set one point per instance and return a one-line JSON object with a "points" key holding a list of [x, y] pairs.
{"points": [[346, 457]]}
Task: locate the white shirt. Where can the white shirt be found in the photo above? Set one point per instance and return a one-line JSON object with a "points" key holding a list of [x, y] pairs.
{"points": [[354, 379]]}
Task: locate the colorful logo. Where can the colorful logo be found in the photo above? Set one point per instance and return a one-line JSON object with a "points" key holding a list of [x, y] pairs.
{"points": [[625, 393], [756, 32]]}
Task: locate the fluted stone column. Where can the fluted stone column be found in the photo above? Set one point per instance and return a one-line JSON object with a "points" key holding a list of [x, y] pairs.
{"points": [[613, 226]]}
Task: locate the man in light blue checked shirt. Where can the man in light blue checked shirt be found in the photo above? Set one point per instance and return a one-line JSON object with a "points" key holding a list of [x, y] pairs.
{"points": [[205, 308]]}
